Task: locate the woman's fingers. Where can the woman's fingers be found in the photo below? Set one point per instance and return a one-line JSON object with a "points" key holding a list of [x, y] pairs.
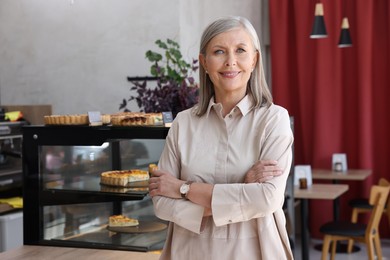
{"points": [[262, 171], [164, 184]]}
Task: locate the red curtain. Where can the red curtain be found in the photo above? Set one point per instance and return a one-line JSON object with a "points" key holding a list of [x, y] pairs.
{"points": [[339, 97]]}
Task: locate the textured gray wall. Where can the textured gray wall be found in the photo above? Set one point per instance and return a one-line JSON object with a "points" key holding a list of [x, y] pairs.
{"points": [[76, 54]]}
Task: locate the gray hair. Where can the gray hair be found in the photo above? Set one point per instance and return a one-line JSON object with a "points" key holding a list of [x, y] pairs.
{"points": [[257, 85]]}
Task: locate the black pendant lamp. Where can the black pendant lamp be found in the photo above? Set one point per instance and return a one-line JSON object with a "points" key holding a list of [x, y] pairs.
{"points": [[319, 29], [345, 37]]}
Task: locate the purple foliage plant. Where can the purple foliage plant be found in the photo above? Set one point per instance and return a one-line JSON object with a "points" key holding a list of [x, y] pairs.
{"points": [[176, 89]]}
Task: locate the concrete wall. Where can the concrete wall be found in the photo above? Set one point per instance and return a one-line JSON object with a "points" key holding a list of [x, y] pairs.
{"points": [[76, 54]]}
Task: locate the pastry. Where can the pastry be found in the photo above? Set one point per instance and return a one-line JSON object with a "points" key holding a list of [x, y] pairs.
{"points": [[122, 221], [76, 119], [123, 178], [136, 119], [152, 167], [106, 119], [128, 119]]}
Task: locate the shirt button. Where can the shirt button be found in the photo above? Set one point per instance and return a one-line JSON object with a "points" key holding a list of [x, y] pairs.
{"points": [[230, 116]]}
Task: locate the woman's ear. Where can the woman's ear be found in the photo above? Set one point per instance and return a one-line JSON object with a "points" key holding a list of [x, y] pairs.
{"points": [[202, 61]]}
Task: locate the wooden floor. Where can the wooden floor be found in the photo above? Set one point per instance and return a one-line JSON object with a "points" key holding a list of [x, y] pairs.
{"points": [[68, 253], [65, 253]]}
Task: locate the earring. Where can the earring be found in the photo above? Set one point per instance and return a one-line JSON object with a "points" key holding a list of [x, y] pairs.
{"points": [[207, 72]]}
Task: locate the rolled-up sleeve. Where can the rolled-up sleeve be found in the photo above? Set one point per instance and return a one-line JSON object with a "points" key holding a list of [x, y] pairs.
{"points": [[182, 212]]}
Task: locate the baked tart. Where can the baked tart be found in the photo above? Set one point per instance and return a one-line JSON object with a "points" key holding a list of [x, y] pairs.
{"points": [[123, 177], [122, 221], [136, 119]]}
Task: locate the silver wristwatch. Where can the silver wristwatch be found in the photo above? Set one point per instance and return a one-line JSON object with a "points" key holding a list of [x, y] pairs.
{"points": [[185, 188]]}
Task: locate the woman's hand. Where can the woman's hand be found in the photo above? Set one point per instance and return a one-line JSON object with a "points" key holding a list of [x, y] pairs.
{"points": [[164, 184], [262, 171]]}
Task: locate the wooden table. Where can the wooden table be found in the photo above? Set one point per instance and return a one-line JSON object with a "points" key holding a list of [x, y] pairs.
{"points": [[66, 253], [321, 191], [349, 175], [315, 191]]}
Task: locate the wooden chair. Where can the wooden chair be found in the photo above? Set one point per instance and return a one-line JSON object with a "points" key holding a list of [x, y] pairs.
{"points": [[363, 206], [366, 233]]}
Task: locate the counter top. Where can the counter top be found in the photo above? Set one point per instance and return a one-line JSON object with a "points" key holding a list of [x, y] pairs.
{"points": [[66, 253]]}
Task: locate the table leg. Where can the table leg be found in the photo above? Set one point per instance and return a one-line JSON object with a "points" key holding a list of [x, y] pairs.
{"points": [[305, 229], [336, 206], [336, 209]]}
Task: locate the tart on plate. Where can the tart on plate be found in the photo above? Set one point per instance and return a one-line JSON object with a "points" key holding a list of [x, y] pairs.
{"points": [[123, 177], [122, 221]]}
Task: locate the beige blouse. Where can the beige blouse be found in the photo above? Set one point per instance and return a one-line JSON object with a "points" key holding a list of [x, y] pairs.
{"points": [[248, 221]]}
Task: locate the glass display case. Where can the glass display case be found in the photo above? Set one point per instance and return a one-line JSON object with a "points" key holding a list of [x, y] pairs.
{"points": [[64, 202]]}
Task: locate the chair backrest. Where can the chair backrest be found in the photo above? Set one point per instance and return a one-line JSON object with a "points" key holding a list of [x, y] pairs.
{"points": [[385, 183], [378, 198]]}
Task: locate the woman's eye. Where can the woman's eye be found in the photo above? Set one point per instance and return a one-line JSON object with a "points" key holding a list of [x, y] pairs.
{"points": [[218, 52], [241, 50]]}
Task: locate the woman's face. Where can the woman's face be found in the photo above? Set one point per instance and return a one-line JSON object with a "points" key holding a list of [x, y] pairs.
{"points": [[229, 61]]}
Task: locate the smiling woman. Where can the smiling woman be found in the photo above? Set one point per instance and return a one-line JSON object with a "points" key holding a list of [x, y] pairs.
{"points": [[222, 174]]}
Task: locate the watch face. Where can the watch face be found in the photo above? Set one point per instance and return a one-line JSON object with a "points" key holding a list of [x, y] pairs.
{"points": [[184, 188]]}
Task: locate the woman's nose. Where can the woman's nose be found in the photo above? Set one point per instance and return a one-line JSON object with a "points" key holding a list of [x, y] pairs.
{"points": [[230, 60]]}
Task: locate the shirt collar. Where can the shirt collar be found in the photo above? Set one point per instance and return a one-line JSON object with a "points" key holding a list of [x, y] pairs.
{"points": [[245, 105]]}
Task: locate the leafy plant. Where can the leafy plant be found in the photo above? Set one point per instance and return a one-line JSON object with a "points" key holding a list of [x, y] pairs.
{"points": [[176, 89]]}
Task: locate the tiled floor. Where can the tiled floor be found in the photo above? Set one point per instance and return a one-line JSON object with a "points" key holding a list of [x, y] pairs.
{"points": [[361, 255]]}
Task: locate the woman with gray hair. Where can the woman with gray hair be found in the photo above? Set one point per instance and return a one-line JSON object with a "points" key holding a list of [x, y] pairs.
{"points": [[223, 171]]}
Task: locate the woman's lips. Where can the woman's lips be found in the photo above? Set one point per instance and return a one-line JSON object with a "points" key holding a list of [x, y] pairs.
{"points": [[230, 74]]}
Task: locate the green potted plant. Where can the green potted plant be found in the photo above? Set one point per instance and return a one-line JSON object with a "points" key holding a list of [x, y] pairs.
{"points": [[175, 90]]}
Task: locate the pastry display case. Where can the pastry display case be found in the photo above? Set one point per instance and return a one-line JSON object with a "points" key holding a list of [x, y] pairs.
{"points": [[64, 202]]}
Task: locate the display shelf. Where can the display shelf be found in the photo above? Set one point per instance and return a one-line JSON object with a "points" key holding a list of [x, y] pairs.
{"points": [[85, 189], [64, 202], [10, 136]]}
